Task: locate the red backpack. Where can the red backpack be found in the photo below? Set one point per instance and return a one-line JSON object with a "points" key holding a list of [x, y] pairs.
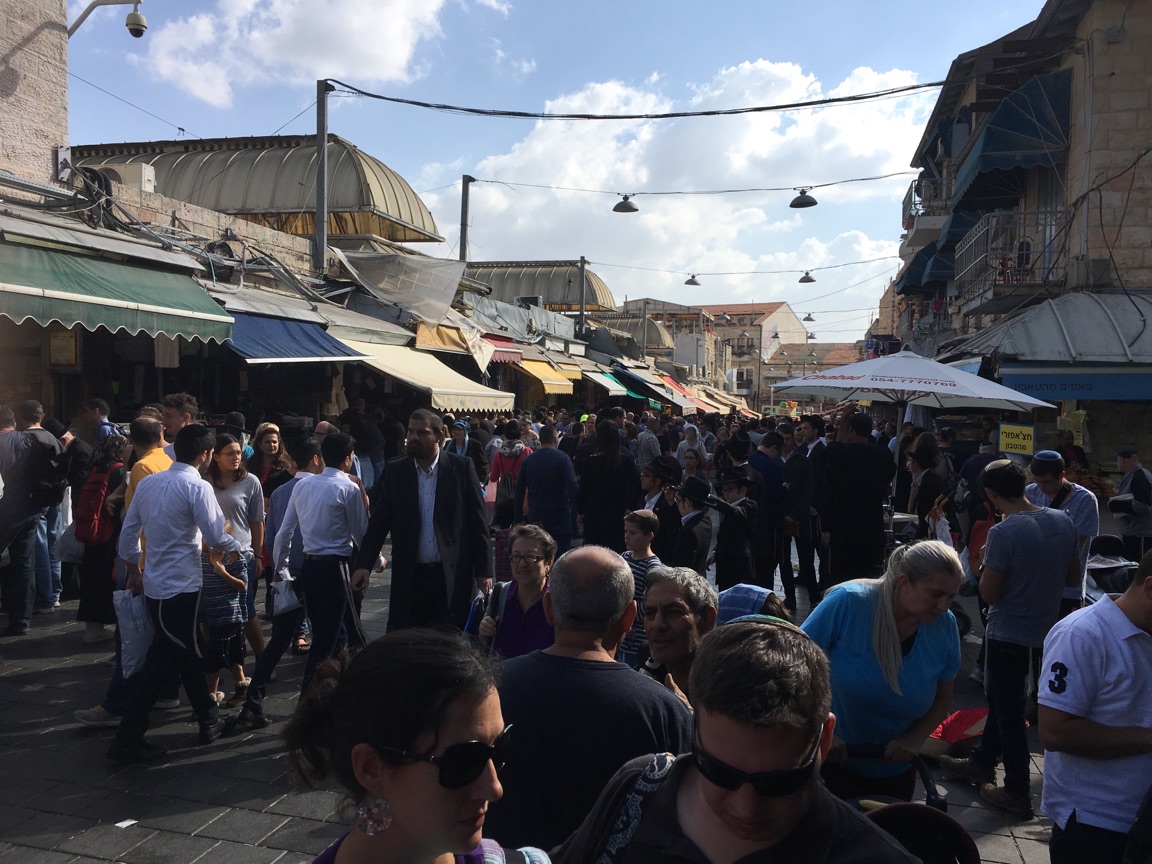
{"points": [[93, 524]]}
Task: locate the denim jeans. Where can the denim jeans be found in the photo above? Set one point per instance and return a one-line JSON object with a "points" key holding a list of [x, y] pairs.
{"points": [[1005, 738], [18, 579], [49, 583]]}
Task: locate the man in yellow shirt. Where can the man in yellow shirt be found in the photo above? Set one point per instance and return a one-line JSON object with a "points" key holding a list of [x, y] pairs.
{"points": [[148, 444]]}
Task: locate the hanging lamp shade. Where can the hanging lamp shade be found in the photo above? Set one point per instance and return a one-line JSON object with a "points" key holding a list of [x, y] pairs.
{"points": [[802, 200], [692, 280], [807, 278], [808, 317], [627, 205]]}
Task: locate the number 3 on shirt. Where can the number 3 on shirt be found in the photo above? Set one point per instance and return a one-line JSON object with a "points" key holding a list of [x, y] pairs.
{"points": [[1059, 682]]}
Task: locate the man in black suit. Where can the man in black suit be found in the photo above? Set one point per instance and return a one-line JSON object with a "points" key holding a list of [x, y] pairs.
{"points": [[856, 480], [738, 522], [695, 534], [810, 434], [432, 505], [656, 479]]}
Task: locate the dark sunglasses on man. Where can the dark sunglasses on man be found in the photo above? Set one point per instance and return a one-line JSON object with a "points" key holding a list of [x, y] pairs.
{"points": [[461, 763], [767, 784]]}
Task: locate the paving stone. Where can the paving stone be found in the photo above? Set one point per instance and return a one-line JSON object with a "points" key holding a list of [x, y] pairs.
{"points": [[46, 830], [243, 826], [196, 786], [116, 806], [67, 798], [983, 820], [12, 792], [106, 841], [318, 804], [305, 835], [185, 817], [1033, 852], [251, 795], [997, 848], [166, 847], [225, 852], [30, 855]]}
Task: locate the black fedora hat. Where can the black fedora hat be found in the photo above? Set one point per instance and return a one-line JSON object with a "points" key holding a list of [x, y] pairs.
{"points": [[666, 468], [737, 474], [695, 490], [740, 444]]}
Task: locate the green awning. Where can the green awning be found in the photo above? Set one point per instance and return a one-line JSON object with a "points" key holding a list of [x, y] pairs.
{"points": [[49, 286]]}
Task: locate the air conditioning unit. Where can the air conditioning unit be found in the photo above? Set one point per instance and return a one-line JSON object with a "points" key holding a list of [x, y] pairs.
{"points": [[137, 175], [530, 300]]}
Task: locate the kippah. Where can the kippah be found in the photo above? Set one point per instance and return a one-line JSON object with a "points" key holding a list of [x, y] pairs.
{"points": [[1047, 456]]}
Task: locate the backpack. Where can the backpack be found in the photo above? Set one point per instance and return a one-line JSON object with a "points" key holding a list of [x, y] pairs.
{"points": [[93, 524], [48, 469], [497, 603], [506, 487]]}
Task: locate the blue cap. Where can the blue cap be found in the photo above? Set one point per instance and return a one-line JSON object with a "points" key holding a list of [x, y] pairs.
{"points": [[741, 600], [461, 424], [1047, 456]]}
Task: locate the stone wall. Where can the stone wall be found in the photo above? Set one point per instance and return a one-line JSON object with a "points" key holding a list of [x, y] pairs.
{"points": [[33, 86], [155, 209], [1111, 125]]}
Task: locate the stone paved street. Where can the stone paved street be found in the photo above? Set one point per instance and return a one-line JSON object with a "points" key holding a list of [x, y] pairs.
{"points": [[230, 802]]}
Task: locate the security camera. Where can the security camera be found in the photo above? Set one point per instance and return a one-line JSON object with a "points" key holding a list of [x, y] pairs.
{"points": [[136, 23]]}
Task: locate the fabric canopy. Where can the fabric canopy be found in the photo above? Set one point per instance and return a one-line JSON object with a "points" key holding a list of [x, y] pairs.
{"points": [[614, 387], [694, 402], [505, 352], [648, 380], [1029, 128], [628, 391], [913, 276], [448, 389], [80, 290], [555, 382], [274, 340]]}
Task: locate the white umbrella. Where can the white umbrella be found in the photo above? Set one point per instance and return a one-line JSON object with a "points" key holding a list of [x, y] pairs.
{"points": [[909, 379]]}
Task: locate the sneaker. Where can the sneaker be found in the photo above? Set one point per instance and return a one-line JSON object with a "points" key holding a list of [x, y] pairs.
{"points": [[209, 732], [47, 610], [16, 630], [976, 676], [166, 704], [1002, 799], [968, 770], [96, 716], [140, 752]]}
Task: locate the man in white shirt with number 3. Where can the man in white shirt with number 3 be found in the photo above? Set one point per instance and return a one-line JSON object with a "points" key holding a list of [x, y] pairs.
{"points": [[1096, 723]]}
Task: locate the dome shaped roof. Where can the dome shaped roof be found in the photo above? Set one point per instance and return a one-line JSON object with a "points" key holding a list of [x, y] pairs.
{"points": [[272, 180], [558, 282]]}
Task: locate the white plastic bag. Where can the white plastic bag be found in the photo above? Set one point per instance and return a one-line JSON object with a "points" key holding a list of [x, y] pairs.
{"points": [[284, 598], [135, 630], [942, 530], [69, 550]]}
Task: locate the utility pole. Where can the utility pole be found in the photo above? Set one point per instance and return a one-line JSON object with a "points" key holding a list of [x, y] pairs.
{"points": [[644, 347], [581, 329], [468, 180], [320, 229]]}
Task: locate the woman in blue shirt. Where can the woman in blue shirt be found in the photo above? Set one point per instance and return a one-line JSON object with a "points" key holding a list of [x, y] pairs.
{"points": [[894, 651]]}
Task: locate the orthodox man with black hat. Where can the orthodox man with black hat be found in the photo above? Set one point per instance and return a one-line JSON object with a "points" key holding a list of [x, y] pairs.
{"points": [[658, 481], [695, 533], [734, 539]]}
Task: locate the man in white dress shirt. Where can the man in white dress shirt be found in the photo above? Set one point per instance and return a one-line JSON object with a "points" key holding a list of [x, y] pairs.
{"points": [[329, 510], [177, 511]]}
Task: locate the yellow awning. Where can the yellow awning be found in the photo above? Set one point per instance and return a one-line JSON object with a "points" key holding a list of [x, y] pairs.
{"points": [[442, 338], [571, 371], [448, 389], [555, 383]]}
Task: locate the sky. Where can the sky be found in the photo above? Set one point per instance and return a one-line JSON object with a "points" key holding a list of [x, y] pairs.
{"points": [[210, 68]]}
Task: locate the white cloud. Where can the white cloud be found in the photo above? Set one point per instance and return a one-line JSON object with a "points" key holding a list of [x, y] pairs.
{"points": [[684, 234], [245, 42], [520, 68], [496, 6]]}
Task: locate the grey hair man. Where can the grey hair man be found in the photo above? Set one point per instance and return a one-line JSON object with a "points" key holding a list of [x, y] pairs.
{"points": [[680, 609], [573, 697], [752, 782]]}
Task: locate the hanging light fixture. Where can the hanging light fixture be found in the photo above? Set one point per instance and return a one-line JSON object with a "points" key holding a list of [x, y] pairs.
{"points": [[808, 317], [811, 336], [775, 334], [626, 206], [807, 278], [691, 280], [802, 200]]}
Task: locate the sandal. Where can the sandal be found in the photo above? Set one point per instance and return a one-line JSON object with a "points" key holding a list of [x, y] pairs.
{"points": [[302, 645]]}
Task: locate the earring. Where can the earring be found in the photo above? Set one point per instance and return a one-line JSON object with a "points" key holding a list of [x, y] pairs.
{"points": [[373, 816]]}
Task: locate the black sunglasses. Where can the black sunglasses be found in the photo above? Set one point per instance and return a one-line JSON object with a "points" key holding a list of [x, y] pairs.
{"points": [[767, 784], [461, 763]]}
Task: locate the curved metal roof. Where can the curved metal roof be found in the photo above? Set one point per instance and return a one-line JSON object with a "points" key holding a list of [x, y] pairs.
{"points": [[558, 282], [273, 179], [1082, 327]]}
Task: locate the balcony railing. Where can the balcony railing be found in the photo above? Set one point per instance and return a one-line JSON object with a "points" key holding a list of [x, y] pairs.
{"points": [[926, 197], [1007, 257]]}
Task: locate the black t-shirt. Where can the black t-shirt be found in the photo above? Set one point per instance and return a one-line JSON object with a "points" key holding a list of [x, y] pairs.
{"points": [[575, 723], [831, 832]]}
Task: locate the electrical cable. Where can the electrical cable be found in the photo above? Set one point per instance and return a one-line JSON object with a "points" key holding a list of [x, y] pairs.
{"points": [[741, 272], [179, 129]]}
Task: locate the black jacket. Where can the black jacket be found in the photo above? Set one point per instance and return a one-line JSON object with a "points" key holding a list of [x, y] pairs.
{"points": [[460, 523], [734, 542], [692, 542]]}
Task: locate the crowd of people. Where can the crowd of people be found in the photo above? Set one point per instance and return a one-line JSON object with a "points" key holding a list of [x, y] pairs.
{"points": [[570, 594]]}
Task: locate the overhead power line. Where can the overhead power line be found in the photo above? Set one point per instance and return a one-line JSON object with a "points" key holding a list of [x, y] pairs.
{"points": [[667, 115]]}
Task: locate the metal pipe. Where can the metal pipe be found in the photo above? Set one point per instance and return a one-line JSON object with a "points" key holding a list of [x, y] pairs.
{"points": [[644, 347], [468, 181], [581, 329], [320, 229], [83, 16]]}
